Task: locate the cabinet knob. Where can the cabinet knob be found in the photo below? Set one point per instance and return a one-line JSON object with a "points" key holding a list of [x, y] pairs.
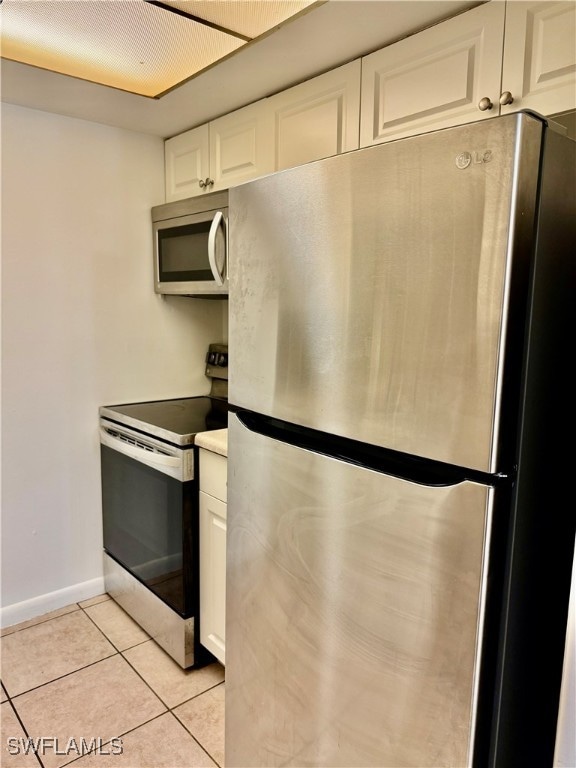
{"points": [[485, 104], [205, 183], [506, 98]]}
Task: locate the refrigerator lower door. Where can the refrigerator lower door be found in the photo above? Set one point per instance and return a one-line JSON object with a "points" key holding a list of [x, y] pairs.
{"points": [[354, 611]]}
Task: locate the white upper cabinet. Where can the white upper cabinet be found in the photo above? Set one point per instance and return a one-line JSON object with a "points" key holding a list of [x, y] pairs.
{"points": [[224, 152], [186, 163], [241, 146], [539, 68], [496, 58], [499, 57], [317, 118], [434, 79], [312, 120]]}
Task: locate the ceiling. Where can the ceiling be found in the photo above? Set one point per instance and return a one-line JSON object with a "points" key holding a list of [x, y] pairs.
{"points": [[147, 47], [317, 39]]}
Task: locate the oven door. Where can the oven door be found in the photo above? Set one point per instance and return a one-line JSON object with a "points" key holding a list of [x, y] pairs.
{"points": [[148, 501], [190, 254]]}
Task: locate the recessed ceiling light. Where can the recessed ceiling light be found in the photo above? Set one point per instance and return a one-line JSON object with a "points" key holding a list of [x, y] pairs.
{"points": [[141, 46]]}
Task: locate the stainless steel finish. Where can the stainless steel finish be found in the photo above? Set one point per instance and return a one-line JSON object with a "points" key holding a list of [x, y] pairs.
{"points": [[150, 429], [205, 183], [219, 371], [210, 202], [528, 143], [485, 104], [218, 222], [368, 291], [354, 607], [506, 98], [173, 633], [164, 458], [191, 211]]}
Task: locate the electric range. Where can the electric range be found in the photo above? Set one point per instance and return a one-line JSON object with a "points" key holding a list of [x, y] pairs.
{"points": [[176, 421], [149, 471]]}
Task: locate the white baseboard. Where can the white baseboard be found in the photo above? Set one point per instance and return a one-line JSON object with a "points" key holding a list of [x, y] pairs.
{"points": [[37, 606]]}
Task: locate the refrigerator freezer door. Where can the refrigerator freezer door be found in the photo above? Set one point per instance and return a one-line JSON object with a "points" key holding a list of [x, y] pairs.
{"points": [[354, 603], [369, 292]]}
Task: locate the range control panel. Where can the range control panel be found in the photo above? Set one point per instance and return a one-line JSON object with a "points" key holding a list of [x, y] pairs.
{"points": [[217, 361]]}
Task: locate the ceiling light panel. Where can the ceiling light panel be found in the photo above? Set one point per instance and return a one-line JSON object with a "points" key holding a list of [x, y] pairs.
{"points": [[251, 18], [126, 44]]}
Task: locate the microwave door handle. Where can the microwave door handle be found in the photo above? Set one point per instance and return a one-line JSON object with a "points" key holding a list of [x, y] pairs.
{"points": [[216, 222]]}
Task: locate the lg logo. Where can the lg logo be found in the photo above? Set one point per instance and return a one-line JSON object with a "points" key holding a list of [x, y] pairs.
{"points": [[464, 159]]}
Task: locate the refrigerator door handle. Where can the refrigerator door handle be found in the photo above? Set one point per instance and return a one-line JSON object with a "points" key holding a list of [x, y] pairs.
{"points": [[413, 468]]}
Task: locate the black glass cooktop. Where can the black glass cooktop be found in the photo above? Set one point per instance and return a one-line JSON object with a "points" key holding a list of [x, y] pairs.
{"points": [[176, 421]]}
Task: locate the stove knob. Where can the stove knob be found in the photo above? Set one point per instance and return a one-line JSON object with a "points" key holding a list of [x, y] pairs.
{"points": [[222, 360]]}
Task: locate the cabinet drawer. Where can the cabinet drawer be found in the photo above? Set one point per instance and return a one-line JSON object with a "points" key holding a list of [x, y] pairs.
{"points": [[213, 474]]}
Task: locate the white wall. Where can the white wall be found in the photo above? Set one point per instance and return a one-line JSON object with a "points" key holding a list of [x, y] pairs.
{"points": [[81, 327]]}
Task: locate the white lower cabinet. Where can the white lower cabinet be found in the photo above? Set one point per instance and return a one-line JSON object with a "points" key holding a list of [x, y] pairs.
{"points": [[213, 469]]}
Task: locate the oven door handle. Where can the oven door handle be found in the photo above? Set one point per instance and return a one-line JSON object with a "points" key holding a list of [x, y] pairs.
{"points": [[150, 458]]}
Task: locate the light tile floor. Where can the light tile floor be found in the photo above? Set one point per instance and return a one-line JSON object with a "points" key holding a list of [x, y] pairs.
{"points": [[88, 674]]}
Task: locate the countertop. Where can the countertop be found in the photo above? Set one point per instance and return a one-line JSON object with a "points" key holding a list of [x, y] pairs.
{"points": [[216, 440]]}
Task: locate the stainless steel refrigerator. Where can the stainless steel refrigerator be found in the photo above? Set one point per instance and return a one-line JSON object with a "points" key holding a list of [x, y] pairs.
{"points": [[400, 506]]}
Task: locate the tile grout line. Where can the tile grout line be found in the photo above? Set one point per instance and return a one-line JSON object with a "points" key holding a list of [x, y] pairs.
{"points": [[120, 736], [66, 674], [40, 621], [120, 653], [119, 650], [61, 677], [22, 726], [165, 703], [4, 631], [195, 737], [180, 703]]}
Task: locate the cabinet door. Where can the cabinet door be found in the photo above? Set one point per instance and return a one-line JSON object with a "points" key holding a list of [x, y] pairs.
{"points": [[318, 118], [540, 56], [213, 575], [241, 146], [435, 78], [186, 164]]}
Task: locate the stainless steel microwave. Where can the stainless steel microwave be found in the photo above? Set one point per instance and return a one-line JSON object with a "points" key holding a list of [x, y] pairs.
{"points": [[190, 246]]}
